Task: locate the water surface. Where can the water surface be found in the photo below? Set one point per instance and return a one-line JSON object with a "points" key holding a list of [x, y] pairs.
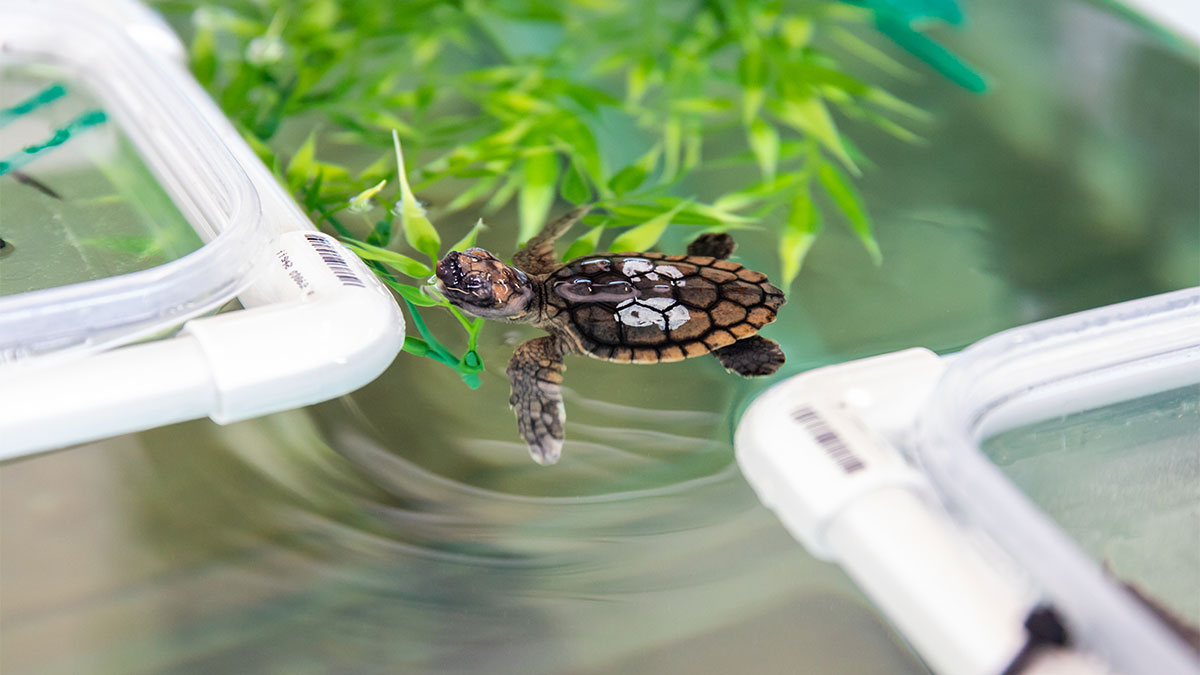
{"points": [[403, 528]]}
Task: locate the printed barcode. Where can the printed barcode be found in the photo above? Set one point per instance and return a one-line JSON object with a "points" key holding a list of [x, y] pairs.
{"points": [[335, 261], [827, 438]]}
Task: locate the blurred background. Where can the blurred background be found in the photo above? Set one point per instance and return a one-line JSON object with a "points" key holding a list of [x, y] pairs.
{"points": [[403, 528]]}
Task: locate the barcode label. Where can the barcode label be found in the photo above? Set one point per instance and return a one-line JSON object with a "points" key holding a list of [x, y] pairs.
{"points": [[827, 438], [334, 261]]}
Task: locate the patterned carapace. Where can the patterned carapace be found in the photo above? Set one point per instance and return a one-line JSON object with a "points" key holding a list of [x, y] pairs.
{"points": [[650, 308]]}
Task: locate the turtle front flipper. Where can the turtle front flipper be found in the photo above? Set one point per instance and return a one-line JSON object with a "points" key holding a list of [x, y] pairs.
{"points": [[536, 372], [718, 245], [755, 356], [538, 255]]}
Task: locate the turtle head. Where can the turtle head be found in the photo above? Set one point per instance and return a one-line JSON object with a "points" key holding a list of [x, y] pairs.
{"points": [[478, 283]]}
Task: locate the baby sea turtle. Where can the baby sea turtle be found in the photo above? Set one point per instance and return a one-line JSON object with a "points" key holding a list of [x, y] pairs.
{"points": [[619, 307]]}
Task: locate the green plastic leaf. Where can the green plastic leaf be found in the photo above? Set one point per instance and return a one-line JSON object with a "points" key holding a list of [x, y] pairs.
{"points": [[468, 239], [381, 234], [636, 214], [752, 100], [796, 31], [693, 145], [414, 295], [427, 49], [416, 346], [574, 186], [380, 169], [511, 135], [855, 45], [637, 79], [722, 216], [851, 204], [203, 55], [799, 233], [702, 106], [752, 70], [536, 193], [302, 167], [632, 176], [471, 195], [672, 146], [361, 202], [584, 149], [310, 196], [590, 98], [757, 193], [398, 261], [645, 236], [817, 74], [764, 141], [627, 179], [890, 127], [334, 173], [504, 194], [386, 120], [809, 114], [418, 231], [585, 244]]}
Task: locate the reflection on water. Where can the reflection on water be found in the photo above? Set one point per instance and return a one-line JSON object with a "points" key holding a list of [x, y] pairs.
{"points": [[260, 548], [404, 529]]}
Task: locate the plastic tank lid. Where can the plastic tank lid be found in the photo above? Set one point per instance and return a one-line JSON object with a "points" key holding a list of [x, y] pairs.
{"points": [[185, 155]]}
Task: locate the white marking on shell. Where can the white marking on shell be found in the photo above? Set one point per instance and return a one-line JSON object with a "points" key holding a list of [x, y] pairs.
{"points": [[638, 316], [677, 316], [649, 312], [658, 303], [669, 271], [634, 266]]}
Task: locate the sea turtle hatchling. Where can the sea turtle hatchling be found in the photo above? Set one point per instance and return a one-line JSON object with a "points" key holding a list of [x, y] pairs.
{"points": [[619, 307]]}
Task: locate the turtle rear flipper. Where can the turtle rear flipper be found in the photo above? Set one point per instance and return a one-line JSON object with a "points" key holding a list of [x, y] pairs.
{"points": [[718, 245], [755, 356], [536, 373]]}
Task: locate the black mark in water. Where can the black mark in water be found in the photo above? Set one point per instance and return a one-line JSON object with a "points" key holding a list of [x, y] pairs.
{"points": [[25, 179]]}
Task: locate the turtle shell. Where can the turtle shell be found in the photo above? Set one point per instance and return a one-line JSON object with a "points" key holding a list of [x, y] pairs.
{"points": [[651, 308]]}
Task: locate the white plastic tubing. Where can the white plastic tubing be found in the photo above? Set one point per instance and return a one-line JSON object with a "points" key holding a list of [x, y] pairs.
{"points": [[819, 450], [337, 331], [1037, 372]]}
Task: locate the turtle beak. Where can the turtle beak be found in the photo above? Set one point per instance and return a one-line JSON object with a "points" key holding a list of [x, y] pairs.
{"points": [[449, 271]]}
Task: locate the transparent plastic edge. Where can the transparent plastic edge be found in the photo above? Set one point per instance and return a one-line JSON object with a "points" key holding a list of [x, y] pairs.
{"points": [[1099, 346], [185, 155]]}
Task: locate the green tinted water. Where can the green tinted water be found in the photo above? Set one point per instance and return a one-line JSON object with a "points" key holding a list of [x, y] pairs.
{"points": [[404, 529], [1124, 482], [77, 203]]}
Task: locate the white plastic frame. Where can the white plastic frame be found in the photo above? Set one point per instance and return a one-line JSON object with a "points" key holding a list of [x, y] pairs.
{"points": [[959, 584], [180, 147], [317, 323]]}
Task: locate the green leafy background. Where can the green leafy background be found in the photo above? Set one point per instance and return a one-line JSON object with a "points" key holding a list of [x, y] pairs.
{"points": [[617, 102]]}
